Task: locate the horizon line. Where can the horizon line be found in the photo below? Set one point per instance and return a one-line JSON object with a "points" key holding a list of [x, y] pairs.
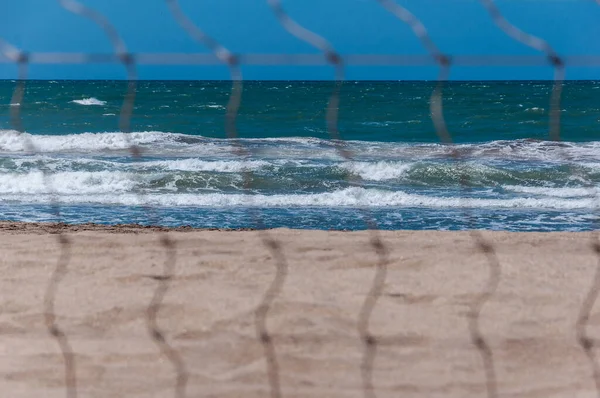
{"points": [[300, 80]]}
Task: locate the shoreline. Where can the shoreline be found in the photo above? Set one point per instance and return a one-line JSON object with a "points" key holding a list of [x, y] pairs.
{"points": [[36, 227]]}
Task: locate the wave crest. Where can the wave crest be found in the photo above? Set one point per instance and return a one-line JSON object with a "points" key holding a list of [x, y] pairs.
{"points": [[347, 197], [89, 101]]}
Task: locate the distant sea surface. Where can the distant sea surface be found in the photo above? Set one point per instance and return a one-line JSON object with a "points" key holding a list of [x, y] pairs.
{"points": [[399, 176]]}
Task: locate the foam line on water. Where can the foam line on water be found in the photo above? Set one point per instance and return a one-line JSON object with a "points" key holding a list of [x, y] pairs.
{"points": [[348, 197], [557, 192], [309, 147]]}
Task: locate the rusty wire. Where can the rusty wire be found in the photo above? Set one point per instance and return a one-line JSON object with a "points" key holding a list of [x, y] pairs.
{"points": [[21, 59], [558, 63], [585, 341], [126, 113], [281, 267], [444, 62], [482, 244], [50, 316], [363, 322], [222, 55], [266, 59], [262, 311], [534, 42], [587, 344], [70, 377], [120, 51], [158, 336]]}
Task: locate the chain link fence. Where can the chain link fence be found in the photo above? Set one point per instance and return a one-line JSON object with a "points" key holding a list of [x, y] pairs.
{"points": [[338, 62]]}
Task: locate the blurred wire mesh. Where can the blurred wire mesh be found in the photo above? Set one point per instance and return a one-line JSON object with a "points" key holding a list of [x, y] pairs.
{"points": [[327, 56]]}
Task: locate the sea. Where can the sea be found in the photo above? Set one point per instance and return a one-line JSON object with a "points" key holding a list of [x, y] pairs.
{"points": [[72, 163]]}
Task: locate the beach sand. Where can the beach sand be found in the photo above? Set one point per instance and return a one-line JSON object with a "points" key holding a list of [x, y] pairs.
{"points": [[420, 322]]}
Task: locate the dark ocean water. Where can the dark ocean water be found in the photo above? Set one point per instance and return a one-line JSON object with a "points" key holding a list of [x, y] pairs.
{"points": [[189, 174]]}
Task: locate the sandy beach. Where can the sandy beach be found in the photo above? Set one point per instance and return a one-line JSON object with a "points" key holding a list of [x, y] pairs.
{"points": [[420, 321]]}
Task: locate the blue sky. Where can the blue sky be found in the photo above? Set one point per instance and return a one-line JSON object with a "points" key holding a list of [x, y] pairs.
{"points": [[352, 26]]}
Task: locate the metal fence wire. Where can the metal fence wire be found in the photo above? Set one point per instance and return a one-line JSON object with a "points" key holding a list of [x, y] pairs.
{"points": [[328, 56]]}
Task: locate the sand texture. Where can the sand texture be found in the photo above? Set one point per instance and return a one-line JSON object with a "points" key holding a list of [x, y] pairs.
{"points": [[422, 320]]}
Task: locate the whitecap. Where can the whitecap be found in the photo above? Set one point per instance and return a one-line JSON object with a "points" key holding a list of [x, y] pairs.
{"points": [[535, 109], [66, 183], [223, 166], [378, 171], [213, 106], [89, 101]]}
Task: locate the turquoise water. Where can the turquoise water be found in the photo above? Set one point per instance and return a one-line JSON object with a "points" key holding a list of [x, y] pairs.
{"points": [[189, 173]]}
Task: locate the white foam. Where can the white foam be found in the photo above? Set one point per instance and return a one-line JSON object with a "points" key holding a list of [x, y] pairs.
{"points": [[302, 147], [535, 109], [295, 140], [349, 197], [590, 165], [379, 124], [536, 150], [66, 183], [224, 166], [213, 106], [378, 171], [12, 141], [554, 192], [89, 101]]}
